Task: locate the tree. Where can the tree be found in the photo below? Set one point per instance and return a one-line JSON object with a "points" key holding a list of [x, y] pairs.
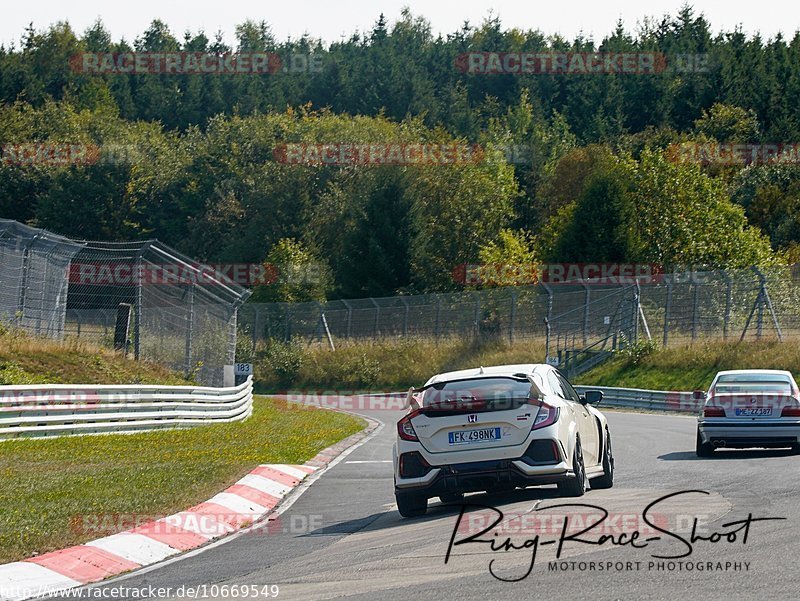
{"points": [[685, 217], [603, 221], [730, 124], [299, 275]]}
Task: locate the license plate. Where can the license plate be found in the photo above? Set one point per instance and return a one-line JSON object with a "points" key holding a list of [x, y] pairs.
{"points": [[754, 411], [470, 436]]}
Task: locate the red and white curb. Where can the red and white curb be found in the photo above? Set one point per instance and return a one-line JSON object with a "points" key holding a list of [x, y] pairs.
{"points": [[239, 506]]}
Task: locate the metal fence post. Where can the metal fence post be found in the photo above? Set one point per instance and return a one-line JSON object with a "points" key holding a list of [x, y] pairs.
{"points": [[667, 309], [406, 310], [760, 301], [586, 300], [477, 323], [695, 303], [513, 317], [137, 316], [728, 301], [232, 330], [376, 327], [548, 318], [189, 331], [349, 325], [438, 315], [288, 323], [26, 268], [256, 325], [546, 339]]}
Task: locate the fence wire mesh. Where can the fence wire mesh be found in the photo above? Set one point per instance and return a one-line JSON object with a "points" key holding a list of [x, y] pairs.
{"points": [[670, 309], [183, 313]]}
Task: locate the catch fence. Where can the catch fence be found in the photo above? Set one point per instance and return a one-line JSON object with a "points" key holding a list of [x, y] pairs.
{"points": [[142, 298]]}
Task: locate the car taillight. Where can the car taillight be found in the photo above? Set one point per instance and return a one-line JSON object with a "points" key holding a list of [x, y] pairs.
{"points": [[405, 429], [546, 416], [713, 412], [790, 412]]}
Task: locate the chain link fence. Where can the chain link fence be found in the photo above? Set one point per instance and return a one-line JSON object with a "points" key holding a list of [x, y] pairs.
{"points": [[142, 298], [668, 308], [34, 265]]}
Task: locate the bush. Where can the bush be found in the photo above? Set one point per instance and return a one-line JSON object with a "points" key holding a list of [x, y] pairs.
{"points": [[636, 353], [284, 359]]}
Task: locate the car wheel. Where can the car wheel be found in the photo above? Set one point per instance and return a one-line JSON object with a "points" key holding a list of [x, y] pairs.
{"points": [[452, 497], [576, 486], [703, 449], [411, 504], [607, 479]]}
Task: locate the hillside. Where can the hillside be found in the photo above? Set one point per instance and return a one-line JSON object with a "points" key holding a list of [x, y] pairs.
{"points": [[28, 360]]}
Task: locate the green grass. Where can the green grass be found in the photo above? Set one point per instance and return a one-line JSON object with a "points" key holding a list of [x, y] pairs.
{"points": [[396, 364], [30, 360], [49, 484], [389, 364], [693, 366]]}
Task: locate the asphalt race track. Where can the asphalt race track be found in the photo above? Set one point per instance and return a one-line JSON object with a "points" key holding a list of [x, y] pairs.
{"points": [[362, 549]]}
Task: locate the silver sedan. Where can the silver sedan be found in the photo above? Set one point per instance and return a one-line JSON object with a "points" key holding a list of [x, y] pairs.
{"points": [[750, 408]]}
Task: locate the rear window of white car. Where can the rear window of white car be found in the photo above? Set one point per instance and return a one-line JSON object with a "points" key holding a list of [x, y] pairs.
{"points": [[497, 390], [753, 383]]}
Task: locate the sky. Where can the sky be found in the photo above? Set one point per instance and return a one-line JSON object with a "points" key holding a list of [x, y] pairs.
{"points": [[331, 20]]}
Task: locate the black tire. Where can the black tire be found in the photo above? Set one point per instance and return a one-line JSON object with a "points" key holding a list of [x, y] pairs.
{"points": [[576, 486], [703, 449], [451, 497], [411, 504], [607, 479]]}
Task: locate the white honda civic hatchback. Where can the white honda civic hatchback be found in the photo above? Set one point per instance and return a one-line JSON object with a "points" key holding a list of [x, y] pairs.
{"points": [[495, 429]]}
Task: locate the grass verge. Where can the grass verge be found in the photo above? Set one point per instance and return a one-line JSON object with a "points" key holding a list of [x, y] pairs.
{"points": [[396, 364], [693, 366], [49, 485], [389, 364], [29, 360]]}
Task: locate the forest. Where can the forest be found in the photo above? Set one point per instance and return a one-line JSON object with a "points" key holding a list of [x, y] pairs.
{"points": [[385, 160]]}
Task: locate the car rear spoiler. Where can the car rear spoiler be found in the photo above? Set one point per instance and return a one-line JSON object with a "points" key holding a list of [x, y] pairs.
{"points": [[413, 404]]}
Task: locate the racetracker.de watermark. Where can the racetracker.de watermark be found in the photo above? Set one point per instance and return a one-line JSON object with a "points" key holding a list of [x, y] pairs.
{"points": [[579, 63], [175, 63], [519, 274], [349, 154], [201, 591], [208, 524], [102, 273], [347, 400], [715, 153], [195, 63], [48, 154]]}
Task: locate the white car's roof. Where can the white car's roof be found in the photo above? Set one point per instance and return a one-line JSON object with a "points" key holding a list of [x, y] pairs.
{"points": [[774, 372], [495, 370]]}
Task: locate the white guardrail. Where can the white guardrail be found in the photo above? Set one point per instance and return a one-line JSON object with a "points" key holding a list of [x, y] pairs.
{"points": [[69, 409], [657, 400]]}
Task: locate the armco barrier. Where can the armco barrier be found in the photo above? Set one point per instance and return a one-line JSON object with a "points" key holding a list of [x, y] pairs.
{"points": [[68, 409], [658, 400]]}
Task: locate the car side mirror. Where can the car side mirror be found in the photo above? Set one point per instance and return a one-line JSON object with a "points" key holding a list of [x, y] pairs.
{"points": [[592, 397], [699, 395]]}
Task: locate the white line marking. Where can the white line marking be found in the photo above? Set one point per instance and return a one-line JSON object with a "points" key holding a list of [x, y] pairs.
{"points": [[374, 461], [276, 489], [288, 469], [237, 504], [135, 547], [285, 505], [22, 575]]}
